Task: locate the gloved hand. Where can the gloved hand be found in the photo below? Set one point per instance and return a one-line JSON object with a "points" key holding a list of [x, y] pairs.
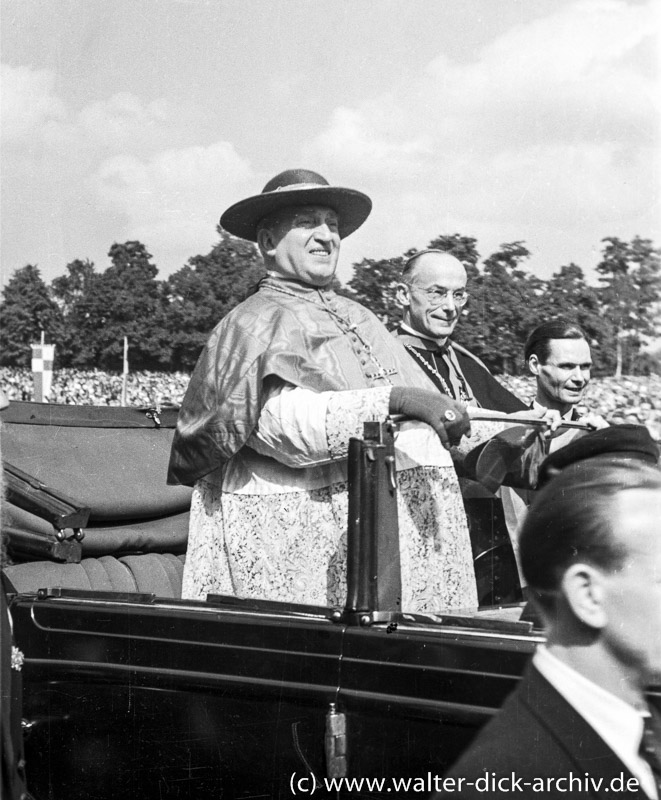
{"points": [[447, 417]]}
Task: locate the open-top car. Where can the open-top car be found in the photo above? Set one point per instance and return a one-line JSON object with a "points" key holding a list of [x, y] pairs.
{"points": [[115, 687]]}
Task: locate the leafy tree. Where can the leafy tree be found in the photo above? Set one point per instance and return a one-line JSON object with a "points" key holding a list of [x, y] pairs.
{"points": [[127, 300], [202, 292], [373, 284], [631, 289], [503, 306], [462, 247], [27, 309], [73, 293], [87, 314], [568, 296], [69, 289]]}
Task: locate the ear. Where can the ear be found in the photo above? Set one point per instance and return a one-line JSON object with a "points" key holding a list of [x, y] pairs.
{"points": [[583, 588], [402, 295], [533, 364], [266, 242]]}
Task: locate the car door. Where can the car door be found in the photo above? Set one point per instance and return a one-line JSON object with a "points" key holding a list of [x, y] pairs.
{"points": [[11, 739], [415, 693], [130, 696]]}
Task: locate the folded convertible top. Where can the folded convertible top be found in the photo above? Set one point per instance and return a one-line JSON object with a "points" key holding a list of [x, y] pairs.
{"points": [[110, 459]]}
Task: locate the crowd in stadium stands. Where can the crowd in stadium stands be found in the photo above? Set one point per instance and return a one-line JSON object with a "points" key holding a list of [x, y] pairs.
{"points": [[628, 399], [94, 387]]}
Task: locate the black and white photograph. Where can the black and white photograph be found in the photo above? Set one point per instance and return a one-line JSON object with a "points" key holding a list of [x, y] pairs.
{"points": [[330, 399]]}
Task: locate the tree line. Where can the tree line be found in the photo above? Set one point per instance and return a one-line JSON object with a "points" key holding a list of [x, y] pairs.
{"points": [[87, 313]]}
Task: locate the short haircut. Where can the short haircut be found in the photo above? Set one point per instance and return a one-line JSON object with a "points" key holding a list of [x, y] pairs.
{"points": [[270, 221], [571, 519], [538, 343], [409, 264]]}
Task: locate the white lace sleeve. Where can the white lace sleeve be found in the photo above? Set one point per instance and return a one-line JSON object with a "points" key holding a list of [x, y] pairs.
{"points": [[347, 411], [302, 428]]}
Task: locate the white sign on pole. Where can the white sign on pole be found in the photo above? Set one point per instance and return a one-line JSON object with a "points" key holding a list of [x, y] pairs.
{"points": [[42, 370]]}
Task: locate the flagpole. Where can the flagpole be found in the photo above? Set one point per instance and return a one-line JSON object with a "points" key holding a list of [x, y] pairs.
{"points": [[125, 370]]}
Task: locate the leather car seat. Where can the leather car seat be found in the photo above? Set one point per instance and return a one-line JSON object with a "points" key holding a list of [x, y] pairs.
{"points": [[152, 573]]}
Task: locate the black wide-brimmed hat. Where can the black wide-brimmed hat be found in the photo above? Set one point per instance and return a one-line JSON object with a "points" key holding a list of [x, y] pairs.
{"points": [[615, 442], [297, 187]]}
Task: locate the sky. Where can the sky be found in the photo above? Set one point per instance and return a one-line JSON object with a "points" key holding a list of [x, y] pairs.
{"points": [[505, 120]]}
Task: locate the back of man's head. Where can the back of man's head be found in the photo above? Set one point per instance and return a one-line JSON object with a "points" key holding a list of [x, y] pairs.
{"points": [[574, 519], [538, 342]]}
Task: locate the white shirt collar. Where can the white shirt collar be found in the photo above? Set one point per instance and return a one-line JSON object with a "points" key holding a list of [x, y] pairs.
{"points": [[619, 724], [408, 329], [539, 407]]}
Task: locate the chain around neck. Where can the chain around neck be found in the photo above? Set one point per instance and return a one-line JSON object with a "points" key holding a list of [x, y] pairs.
{"points": [[344, 324], [430, 367]]}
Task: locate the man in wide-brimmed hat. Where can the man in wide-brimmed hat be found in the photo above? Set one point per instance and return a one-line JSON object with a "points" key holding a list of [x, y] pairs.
{"points": [[286, 379]]}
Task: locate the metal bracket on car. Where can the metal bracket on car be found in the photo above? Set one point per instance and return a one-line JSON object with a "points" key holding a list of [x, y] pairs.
{"points": [[365, 619], [61, 511], [154, 414], [51, 592], [30, 494], [336, 743]]}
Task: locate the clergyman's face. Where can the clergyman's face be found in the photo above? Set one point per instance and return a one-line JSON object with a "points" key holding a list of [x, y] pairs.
{"points": [[304, 244], [430, 299], [563, 378], [633, 592]]}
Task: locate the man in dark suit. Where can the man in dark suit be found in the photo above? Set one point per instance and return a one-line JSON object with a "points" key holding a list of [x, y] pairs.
{"points": [[557, 353], [581, 724]]}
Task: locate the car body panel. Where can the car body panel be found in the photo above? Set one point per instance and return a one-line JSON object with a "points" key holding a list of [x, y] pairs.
{"points": [[133, 695], [130, 696], [143, 695]]}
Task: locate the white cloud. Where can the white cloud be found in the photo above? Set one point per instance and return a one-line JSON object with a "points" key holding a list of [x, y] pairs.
{"points": [[573, 75], [173, 199], [352, 142], [28, 101], [114, 165], [554, 124], [123, 121], [550, 128], [41, 129]]}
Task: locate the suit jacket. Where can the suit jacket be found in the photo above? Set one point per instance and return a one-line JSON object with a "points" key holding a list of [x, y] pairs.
{"points": [[538, 735], [488, 392]]}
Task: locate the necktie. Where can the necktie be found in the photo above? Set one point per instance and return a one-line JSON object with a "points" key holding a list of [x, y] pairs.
{"points": [[650, 749]]}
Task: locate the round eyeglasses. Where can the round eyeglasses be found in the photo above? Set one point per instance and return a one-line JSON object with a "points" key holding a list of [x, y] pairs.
{"points": [[436, 295]]}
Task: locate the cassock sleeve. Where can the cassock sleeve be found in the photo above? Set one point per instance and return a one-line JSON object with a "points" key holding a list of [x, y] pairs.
{"points": [[301, 428]]}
